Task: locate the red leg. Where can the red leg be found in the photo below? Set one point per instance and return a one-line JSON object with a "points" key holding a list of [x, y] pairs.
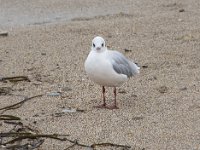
{"points": [[115, 95], [104, 99], [114, 106]]}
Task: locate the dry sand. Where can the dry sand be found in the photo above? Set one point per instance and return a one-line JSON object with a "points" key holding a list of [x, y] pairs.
{"points": [[159, 109]]}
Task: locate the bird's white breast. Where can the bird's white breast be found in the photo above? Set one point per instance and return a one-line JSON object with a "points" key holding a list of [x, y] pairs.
{"points": [[100, 70]]}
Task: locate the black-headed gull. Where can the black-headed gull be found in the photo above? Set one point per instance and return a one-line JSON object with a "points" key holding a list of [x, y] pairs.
{"points": [[108, 68]]}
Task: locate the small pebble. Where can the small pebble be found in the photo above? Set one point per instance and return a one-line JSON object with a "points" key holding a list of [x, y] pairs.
{"points": [[183, 88], [144, 66], [127, 50], [69, 110], [3, 33], [36, 115], [163, 89], [54, 94], [181, 10], [121, 91], [138, 118], [133, 95], [180, 20], [66, 89], [152, 78]]}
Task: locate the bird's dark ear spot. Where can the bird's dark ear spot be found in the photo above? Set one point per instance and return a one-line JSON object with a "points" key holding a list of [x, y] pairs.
{"points": [[93, 45], [102, 44]]}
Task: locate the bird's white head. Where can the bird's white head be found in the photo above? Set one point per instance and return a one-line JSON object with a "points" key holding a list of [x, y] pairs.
{"points": [[98, 44]]}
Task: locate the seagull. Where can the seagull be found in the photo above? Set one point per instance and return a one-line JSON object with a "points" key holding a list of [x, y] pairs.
{"points": [[108, 68]]}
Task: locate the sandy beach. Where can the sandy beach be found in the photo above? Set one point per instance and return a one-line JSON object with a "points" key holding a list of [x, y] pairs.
{"points": [[159, 109]]}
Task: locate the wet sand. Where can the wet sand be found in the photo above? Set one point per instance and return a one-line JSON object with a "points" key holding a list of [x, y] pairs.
{"points": [[159, 109]]}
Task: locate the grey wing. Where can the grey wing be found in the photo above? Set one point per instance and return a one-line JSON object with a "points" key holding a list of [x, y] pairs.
{"points": [[122, 65]]}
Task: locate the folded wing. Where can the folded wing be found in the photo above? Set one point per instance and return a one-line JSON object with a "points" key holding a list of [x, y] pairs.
{"points": [[122, 65]]}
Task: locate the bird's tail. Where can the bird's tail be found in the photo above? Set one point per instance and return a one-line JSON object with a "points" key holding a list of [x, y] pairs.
{"points": [[137, 68]]}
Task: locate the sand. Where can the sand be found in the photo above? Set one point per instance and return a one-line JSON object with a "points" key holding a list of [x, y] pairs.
{"points": [[159, 108]]}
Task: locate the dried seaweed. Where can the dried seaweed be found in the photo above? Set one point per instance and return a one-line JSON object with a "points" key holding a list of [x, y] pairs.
{"points": [[109, 144], [94, 146], [24, 137], [15, 79], [8, 117], [5, 90], [76, 143], [70, 146], [19, 104], [33, 145]]}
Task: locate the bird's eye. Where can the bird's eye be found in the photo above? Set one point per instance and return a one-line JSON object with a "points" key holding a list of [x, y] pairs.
{"points": [[93, 45], [102, 44]]}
